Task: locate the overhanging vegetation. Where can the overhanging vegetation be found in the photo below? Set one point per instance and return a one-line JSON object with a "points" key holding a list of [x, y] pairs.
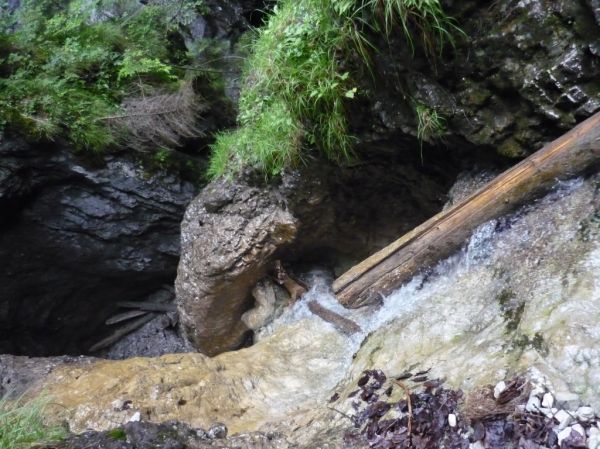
{"points": [[299, 77]]}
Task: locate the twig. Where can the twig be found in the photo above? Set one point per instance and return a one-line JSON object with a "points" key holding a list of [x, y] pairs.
{"points": [[147, 305], [125, 316], [409, 402], [121, 332], [351, 418]]}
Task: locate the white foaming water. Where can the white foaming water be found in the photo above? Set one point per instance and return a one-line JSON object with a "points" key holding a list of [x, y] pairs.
{"points": [[401, 302], [404, 301]]}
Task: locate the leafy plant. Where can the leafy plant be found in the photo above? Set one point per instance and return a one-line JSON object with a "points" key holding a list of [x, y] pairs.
{"points": [[65, 67], [430, 125], [297, 79], [22, 423]]}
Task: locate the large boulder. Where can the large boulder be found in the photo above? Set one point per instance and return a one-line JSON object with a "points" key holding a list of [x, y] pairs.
{"points": [[75, 238], [234, 230]]}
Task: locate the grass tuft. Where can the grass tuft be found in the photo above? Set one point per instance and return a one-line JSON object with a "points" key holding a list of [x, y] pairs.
{"points": [[297, 81], [22, 424]]}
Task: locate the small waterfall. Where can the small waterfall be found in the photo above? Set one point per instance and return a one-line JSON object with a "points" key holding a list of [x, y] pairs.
{"points": [[488, 248]]}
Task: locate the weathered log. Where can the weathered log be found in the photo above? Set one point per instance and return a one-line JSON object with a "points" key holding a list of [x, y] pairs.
{"points": [[384, 271], [341, 323]]}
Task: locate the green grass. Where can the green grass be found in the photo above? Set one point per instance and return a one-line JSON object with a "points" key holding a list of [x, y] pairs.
{"points": [[430, 123], [22, 424], [62, 73], [297, 81]]}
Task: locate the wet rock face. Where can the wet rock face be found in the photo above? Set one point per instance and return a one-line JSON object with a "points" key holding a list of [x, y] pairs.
{"points": [[524, 73], [233, 231], [75, 239], [229, 233]]}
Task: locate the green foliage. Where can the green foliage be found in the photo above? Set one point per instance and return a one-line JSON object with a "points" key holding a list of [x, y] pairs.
{"points": [[21, 424], [66, 66], [297, 79], [270, 144], [117, 434], [430, 123], [436, 28]]}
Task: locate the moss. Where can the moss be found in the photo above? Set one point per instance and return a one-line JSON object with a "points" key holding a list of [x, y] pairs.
{"points": [[511, 148], [511, 309], [117, 434], [537, 342]]}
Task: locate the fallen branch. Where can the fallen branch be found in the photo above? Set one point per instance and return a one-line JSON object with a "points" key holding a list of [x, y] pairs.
{"points": [[148, 306], [341, 323], [125, 316], [409, 403], [122, 331], [566, 157]]}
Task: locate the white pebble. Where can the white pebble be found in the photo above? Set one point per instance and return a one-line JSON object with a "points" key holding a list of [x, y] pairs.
{"points": [[537, 391], [585, 414], [533, 404], [548, 400], [563, 434], [452, 420], [135, 417], [476, 445], [499, 389], [579, 429], [593, 441], [564, 419]]}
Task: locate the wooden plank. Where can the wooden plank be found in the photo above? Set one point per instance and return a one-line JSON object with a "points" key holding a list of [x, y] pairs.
{"points": [[381, 273], [341, 323]]}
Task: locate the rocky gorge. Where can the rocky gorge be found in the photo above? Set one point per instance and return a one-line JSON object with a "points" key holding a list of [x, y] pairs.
{"points": [[516, 308]]}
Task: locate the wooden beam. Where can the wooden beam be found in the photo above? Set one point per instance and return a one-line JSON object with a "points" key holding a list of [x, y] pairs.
{"points": [[341, 323], [438, 237]]}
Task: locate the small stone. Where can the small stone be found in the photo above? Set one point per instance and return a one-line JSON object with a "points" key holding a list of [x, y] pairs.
{"points": [[452, 420], [499, 389], [217, 430], [201, 433], [563, 434], [567, 400], [533, 404], [548, 400], [579, 429], [585, 414], [593, 441], [135, 417], [564, 418], [476, 445]]}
